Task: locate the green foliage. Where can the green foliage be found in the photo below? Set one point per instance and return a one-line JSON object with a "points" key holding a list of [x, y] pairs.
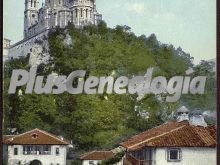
{"points": [[117, 158], [96, 121], [76, 162], [206, 101]]}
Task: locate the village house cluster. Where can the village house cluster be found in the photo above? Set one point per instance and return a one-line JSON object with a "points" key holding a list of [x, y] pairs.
{"points": [[179, 141]]}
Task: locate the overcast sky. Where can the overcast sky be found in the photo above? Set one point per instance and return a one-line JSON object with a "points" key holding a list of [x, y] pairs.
{"points": [[190, 24]]}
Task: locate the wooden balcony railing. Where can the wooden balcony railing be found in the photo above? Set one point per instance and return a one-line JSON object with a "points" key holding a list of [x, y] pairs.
{"points": [[130, 160]]}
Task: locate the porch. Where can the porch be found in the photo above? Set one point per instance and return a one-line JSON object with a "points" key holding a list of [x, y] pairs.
{"points": [[141, 157]]}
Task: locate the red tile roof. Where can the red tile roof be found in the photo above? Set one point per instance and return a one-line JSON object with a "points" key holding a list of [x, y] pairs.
{"points": [[6, 137], [97, 155], [173, 134], [35, 137]]}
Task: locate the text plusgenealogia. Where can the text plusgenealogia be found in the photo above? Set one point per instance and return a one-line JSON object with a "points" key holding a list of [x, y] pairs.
{"points": [[78, 83]]}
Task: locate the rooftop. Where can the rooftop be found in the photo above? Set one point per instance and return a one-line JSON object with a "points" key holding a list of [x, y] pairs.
{"points": [[97, 155], [34, 137], [173, 134]]}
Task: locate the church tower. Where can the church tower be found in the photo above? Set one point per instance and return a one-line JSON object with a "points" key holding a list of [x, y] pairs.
{"points": [[84, 12], [54, 4], [30, 14]]}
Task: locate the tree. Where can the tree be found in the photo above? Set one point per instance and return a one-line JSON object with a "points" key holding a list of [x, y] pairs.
{"points": [[99, 121]]}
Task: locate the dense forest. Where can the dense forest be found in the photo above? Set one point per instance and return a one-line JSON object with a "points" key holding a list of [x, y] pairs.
{"points": [[102, 121]]}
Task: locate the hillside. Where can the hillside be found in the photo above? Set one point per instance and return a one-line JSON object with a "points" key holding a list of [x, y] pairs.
{"points": [[101, 121]]}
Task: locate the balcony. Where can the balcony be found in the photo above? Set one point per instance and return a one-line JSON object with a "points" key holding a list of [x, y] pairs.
{"points": [[36, 150], [130, 160], [36, 153]]}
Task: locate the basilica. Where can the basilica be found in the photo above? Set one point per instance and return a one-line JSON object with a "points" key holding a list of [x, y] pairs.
{"points": [[59, 13], [38, 21]]}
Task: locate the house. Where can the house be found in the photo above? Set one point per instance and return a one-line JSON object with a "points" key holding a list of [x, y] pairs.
{"points": [[96, 157], [36, 147], [185, 141]]}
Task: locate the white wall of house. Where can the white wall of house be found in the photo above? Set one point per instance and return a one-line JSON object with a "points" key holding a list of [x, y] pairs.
{"points": [[51, 159], [89, 162], [189, 156], [86, 162]]}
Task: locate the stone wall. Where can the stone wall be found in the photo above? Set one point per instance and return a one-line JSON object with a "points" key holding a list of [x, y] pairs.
{"points": [[24, 47]]}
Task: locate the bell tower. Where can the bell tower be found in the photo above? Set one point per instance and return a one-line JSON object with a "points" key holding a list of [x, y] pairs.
{"points": [[30, 14]]}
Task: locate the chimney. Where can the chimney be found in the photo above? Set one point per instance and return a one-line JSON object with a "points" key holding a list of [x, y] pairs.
{"points": [[61, 137], [182, 114], [197, 119]]}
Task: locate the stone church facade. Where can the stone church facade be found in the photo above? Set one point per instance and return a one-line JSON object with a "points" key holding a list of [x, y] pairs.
{"points": [[53, 13], [58, 13]]}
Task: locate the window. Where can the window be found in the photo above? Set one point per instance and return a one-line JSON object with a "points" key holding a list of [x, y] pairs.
{"points": [[59, 1], [173, 155], [81, 12], [76, 13], [91, 163], [57, 151], [46, 150], [36, 150], [86, 13], [15, 151]]}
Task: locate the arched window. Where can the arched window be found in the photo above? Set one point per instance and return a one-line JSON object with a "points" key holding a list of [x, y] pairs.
{"points": [[86, 13], [81, 12], [76, 13], [35, 3], [31, 3]]}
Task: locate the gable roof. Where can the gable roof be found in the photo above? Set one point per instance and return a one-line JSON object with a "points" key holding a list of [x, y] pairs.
{"points": [[35, 137], [97, 155], [173, 134]]}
